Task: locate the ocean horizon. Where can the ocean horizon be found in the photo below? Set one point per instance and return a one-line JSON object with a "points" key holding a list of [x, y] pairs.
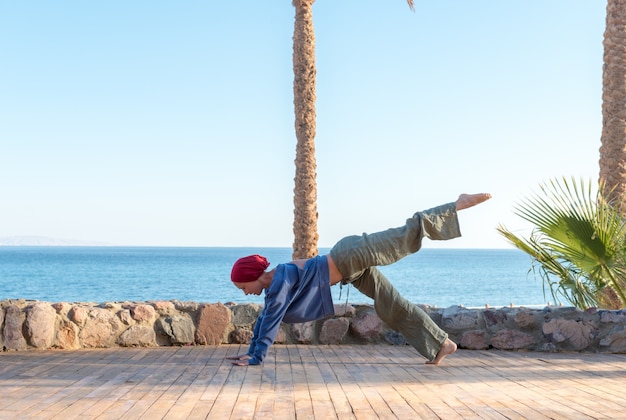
{"points": [[436, 277]]}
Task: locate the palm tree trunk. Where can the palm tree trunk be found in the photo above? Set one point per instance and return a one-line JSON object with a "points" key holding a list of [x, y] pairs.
{"points": [[305, 190], [613, 148]]}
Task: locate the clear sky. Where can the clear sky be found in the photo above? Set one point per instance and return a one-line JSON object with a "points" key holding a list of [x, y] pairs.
{"points": [[171, 123]]}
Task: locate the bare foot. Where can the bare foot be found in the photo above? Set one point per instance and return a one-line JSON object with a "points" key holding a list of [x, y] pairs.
{"points": [[448, 348], [469, 200]]}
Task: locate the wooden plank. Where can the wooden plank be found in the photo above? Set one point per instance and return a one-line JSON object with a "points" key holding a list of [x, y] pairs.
{"points": [[343, 369], [43, 370], [309, 381], [319, 390], [267, 389], [326, 358], [160, 379], [373, 363], [197, 374], [92, 367], [225, 391]]}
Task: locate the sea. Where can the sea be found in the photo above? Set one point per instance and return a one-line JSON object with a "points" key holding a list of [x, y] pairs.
{"points": [[436, 277]]}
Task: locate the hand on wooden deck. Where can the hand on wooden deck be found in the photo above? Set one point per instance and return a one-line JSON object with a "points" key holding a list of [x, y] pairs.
{"points": [[239, 360]]}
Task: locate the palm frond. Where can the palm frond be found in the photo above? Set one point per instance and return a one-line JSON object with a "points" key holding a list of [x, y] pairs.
{"points": [[578, 241], [561, 278]]}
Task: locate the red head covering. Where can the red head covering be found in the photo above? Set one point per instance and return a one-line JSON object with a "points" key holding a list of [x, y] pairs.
{"points": [[248, 268]]}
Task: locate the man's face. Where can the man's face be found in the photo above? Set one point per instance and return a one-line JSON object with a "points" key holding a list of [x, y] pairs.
{"points": [[251, 287]]}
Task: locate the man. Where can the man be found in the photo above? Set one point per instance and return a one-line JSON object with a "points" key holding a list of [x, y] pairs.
{"points": [[299, 291]]}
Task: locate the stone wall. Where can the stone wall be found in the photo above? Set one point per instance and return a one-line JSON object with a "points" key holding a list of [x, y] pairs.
{"points": [[26, 325]]}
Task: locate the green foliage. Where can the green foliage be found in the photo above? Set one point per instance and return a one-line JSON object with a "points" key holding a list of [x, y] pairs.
{"points": [[577, 244]]}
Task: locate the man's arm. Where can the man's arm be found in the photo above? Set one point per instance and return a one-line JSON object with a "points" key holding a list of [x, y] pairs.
{"points": [[255, 335], [268, 323]]}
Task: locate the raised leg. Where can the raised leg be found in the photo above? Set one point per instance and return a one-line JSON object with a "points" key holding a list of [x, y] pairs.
{"points": [[353, 254]]}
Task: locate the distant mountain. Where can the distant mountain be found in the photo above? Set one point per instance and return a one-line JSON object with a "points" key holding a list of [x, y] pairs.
{"points": [[44, 241]]}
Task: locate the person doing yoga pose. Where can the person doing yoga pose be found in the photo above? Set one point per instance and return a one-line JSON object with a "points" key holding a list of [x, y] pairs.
{"points": [[299, 291]]}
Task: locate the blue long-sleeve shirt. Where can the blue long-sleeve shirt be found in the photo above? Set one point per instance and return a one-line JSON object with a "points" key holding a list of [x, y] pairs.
{"points": [[295, 295]]}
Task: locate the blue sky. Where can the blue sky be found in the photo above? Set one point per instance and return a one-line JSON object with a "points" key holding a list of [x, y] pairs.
{"points": [[171, 123]]}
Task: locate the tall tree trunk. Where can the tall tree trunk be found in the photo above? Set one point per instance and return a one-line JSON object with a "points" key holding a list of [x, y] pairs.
{"points": [[305, 190], [613, 148]]}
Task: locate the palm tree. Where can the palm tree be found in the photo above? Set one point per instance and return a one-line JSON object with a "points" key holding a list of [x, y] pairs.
{"points": [[578, 244], [305, 189], [613, 148]]}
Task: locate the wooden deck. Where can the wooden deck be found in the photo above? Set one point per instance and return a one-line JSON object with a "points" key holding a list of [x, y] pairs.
{"points": [[309, 382]]}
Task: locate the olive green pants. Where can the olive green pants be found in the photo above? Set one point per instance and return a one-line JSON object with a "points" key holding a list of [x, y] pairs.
{"points": [[356, 258]]}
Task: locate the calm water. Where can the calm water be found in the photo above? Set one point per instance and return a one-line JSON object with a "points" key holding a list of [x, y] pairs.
{"points": [[441, 277]]}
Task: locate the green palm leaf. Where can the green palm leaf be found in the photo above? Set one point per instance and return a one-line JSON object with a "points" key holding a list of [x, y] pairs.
{"points": [[578, 241]]}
